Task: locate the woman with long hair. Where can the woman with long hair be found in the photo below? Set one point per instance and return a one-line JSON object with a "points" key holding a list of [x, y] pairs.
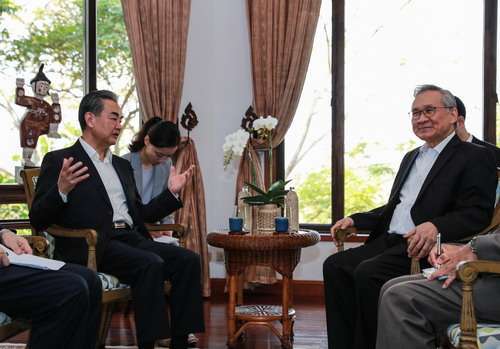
{"points": [[150, 157]]}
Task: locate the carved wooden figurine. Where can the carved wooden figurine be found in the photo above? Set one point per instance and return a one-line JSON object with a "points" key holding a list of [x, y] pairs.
{"points": [[41, 117]]}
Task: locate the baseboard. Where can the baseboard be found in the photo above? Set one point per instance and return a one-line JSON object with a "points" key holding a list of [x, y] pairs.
{"points": [[303, 290]]}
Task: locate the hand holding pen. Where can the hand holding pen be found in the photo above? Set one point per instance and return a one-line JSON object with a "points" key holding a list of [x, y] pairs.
{"points": [[438, 249]]}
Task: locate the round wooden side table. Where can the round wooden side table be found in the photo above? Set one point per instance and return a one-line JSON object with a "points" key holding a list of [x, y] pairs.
{"points": [[279, 251]]}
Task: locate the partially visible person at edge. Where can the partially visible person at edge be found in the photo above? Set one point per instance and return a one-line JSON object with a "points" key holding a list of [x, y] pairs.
{"points": [[445, 186], [150, 157], [465, 136], [64, 306]]}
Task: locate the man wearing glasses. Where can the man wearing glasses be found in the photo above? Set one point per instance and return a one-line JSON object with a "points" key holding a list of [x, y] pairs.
{"points": [[445, 186]]}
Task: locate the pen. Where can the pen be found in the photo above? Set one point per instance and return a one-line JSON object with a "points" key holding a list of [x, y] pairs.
{"points": [[438, 246]]}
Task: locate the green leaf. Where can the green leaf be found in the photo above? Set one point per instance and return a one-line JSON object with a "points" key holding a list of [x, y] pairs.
{"points": [[255, 188]]}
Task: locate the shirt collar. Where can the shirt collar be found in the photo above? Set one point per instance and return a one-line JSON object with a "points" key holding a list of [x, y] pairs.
{"points": [[439, 148], [92, 153]]}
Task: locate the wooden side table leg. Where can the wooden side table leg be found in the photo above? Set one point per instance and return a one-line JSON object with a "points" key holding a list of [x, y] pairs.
{"points": [[241, 282], [231, 318], [286, 342]]}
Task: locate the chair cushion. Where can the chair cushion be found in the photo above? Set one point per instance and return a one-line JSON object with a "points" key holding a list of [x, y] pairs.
{"points": [[488, 335], [4, 319], [110, 282]]}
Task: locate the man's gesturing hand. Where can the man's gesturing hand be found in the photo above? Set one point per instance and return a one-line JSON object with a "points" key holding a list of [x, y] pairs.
{"points": [[421, 239], [177, 181], [70, 175]]}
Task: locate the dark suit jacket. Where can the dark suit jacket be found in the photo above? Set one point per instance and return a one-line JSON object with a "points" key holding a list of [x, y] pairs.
{"points": [[88, 204], [457, 196], [493, 148]]}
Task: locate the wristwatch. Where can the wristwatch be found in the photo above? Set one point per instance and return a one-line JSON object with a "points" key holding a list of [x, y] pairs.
{"points": [[472, 245]]}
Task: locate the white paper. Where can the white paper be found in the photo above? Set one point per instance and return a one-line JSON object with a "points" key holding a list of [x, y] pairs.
{"points": [[31, 261], [165, 239]]}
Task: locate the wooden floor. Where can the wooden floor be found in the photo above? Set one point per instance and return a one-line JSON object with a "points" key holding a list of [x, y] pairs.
{"points": [[310, 327]]}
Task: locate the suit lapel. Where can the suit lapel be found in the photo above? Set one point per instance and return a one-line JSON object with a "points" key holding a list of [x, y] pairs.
{"points": [[404, 173], [126, 181], [135, 161], [81, 155], [442, 159]]}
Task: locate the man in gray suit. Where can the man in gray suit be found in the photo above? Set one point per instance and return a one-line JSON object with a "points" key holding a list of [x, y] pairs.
{"points": [[413, 313]]}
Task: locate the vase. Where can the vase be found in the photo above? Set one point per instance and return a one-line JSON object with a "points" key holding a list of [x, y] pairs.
{"points": [[265, 218]]}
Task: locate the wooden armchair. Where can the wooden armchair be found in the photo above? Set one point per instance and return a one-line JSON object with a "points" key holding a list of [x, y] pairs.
{"points": [[113, 291], [468, 330], [10, 327]]}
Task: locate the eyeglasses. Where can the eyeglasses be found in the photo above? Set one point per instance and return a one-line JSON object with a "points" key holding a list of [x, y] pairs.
{"points": [[427, 112], [160, 155]]}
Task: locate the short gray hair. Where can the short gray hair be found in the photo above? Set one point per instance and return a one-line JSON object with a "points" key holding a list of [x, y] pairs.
{"points": [[447, 98]]}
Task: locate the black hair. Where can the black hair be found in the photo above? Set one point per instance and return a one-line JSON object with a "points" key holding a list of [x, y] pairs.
{"points": [[162, 134], [93, 102], [460, 107]]}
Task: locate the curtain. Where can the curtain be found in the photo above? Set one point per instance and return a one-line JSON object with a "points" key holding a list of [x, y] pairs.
{"points": [[157, 31], [193, 214], [281, 40]]}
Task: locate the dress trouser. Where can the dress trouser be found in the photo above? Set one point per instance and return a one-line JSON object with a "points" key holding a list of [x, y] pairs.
{"points": [[63, 305], [145, 265], [352, 280], [414, 314]]}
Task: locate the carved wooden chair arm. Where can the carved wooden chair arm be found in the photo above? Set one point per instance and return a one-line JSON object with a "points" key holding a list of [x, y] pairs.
{"points": [[90, 236], [39, 244], [179, 231], [468, 273]]}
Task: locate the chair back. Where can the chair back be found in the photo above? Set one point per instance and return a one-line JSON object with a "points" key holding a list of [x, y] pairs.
{"points": [[30, 177]]}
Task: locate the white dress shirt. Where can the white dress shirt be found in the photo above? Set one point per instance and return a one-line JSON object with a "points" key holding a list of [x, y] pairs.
{"points": [[111, 183], [401, 222]]}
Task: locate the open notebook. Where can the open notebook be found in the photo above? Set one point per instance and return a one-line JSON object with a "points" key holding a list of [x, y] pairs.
{"points": [[31, 261]]}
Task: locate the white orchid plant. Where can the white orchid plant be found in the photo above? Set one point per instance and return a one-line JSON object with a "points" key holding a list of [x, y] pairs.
{"points": [[234, 144], [259, 127]]}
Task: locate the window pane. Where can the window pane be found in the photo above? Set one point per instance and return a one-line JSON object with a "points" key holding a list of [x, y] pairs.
{"points": [[114, 67], [308, 141], [31, 33], [391, 47]]}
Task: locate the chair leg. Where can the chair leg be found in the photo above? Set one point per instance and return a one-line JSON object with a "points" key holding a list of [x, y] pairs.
{"points": [[107, 313]]}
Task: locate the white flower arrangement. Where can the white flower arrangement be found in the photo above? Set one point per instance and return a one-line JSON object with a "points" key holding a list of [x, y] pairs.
{"points": [[265, 122], [234, 144]]}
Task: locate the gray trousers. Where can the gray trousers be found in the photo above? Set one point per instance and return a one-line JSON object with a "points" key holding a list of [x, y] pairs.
{"points": [[414, 312]]}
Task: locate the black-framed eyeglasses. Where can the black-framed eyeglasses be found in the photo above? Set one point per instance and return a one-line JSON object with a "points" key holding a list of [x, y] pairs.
{"points": [[427, 112]]}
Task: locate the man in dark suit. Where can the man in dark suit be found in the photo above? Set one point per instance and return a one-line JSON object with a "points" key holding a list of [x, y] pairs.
{"points": [[85, 186], [63, 305], [445, 186], [465, 136]]}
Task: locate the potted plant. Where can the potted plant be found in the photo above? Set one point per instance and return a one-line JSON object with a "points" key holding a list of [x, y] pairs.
{"points": [[268, 204]]}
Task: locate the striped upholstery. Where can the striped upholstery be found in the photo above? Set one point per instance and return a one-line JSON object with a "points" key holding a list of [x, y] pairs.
{"points": [[488, 335]]}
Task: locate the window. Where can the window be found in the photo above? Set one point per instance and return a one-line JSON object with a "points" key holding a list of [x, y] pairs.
{"points": [[114, 67], [381, 54], [308, 141], [49, 32]]}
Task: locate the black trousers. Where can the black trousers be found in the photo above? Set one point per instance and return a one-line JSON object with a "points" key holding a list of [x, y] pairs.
{"points": [[352, 281], [145, 265], [63, 305]]}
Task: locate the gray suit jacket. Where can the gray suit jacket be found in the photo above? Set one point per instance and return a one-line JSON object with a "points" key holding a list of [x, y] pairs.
{"points": [[161, 172]]}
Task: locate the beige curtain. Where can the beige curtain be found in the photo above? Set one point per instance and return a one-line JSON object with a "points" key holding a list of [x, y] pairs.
{"points": [[157, 31], [281, 39], [193, 214]]}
